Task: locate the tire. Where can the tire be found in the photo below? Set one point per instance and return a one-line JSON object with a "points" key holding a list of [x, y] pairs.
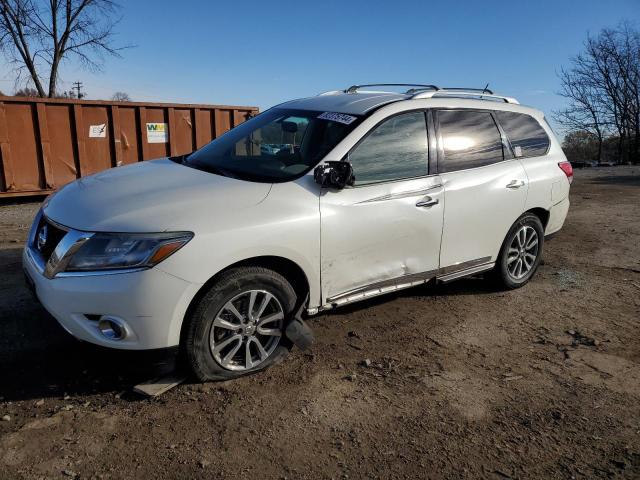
{"points": [[214, 322], [506, 272]]}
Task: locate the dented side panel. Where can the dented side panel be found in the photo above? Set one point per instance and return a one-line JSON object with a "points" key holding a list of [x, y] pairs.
{"points": [[374, 233]]}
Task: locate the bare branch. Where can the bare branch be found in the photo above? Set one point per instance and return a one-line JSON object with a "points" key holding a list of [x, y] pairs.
{"points": [[41, 34], [602, 86]]}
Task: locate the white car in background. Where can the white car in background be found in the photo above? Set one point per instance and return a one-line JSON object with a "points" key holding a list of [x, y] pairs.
{"points": [[224, 250]]}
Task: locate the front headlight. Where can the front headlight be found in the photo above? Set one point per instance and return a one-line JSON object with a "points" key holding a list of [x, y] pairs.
{"points": [[126, 250]]}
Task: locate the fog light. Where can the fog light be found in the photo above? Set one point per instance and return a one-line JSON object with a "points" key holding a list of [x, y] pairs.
{"points": [[112, 328]]}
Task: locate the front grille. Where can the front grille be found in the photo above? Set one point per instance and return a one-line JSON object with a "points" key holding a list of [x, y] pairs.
{"points": [[47, 238]]}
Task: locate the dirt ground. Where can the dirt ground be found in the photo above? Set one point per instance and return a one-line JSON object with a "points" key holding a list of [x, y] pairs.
{"points": [[464, 381]]}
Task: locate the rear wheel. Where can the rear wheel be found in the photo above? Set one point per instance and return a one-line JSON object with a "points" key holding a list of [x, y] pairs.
{"points": [[521, 252], [238, 326]]}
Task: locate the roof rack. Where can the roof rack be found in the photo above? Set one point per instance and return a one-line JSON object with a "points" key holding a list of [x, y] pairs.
{"points": [[418, 91], [480, 94], [355, 88], [465, 89]]}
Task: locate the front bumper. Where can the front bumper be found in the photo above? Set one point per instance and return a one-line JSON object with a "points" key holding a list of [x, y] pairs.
{"points": [[151, 303]]}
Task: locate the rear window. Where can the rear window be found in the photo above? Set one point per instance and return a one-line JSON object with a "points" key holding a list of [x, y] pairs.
{"points": [[527, 137]]}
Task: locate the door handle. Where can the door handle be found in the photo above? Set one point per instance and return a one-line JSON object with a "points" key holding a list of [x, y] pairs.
{"points": [[427, 202], [513, 184]]}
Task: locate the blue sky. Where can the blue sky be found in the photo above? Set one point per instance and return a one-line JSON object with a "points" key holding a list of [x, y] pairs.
{"points": [[264, 52]]}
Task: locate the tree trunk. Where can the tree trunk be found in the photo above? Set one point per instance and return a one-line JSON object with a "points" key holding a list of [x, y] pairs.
{"points": [[36, 80], [599, 149], [53, 78], [620, 148], [636, 140]]}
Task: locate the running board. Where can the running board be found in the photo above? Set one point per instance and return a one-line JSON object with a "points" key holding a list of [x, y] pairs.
{"points": [[465, 273], [380, 288], [445, 274]]}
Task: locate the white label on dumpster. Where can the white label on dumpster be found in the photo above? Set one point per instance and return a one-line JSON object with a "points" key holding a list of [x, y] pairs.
{"points": [[98, 131], [337, 117], [157, 133]]}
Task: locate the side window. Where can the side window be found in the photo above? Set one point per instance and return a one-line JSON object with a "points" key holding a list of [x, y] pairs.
{"points": [[527, 137], [469, 139], [394, 150]]}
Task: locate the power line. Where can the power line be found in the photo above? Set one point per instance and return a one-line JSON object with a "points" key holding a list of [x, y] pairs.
{"points": [[77, 86]]}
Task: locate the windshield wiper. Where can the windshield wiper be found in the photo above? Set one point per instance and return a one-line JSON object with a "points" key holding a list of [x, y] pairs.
{"points": [[178, 158], [220, 171], [223, 172]]}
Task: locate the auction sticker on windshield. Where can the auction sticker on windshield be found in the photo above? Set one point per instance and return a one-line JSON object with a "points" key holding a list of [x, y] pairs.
{"points": [[337, 117]]}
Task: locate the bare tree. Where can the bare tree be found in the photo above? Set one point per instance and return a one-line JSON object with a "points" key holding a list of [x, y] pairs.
{"points": [[27, 92], [582, 146], [603, 88], [121, 97], [36, 36], [584, 112]]}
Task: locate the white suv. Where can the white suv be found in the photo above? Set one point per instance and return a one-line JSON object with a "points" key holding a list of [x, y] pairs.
{"points": [[313, 204]]}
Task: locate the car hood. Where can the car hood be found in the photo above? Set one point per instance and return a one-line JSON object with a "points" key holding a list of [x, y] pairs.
{"points": [[152, 196]]}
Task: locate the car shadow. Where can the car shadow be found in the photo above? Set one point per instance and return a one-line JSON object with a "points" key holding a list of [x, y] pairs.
{"points": [[41, 360], [22, 200], [624, 180]]}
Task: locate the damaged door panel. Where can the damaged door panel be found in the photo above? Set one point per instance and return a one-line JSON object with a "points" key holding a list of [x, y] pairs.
{"points": [[379, 232]]}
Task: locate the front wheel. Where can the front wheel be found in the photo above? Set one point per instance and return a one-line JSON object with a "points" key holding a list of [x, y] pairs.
{"points": [[521, 252], [238, 326]]}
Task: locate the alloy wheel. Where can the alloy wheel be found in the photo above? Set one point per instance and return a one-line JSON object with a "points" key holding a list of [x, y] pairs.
{"points": [[523, 252], [246, 330]]}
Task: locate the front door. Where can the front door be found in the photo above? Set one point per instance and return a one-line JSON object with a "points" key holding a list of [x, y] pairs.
{"points": [[384, 231]]}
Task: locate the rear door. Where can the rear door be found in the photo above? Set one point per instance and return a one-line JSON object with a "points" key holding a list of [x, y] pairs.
{"points": [[548, 185], [485, 188], [386, 229]]}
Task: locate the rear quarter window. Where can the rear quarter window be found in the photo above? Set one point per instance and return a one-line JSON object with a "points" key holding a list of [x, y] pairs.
{"points": [[526, 135]]}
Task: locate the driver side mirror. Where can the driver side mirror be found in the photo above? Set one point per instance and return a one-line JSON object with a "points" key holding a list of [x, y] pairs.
{"points": [[334, 175]]}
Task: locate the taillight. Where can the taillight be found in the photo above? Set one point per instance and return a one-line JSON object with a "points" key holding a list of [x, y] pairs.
{"points": [[567, 169]]}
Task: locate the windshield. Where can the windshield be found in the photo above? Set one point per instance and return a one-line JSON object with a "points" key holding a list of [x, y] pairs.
{"points": [[275, 146]]}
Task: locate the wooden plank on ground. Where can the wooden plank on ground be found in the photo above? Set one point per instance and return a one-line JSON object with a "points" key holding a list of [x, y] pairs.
{"points": [[160, 385]]}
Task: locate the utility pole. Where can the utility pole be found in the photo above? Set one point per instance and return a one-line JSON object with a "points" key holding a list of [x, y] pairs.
{"points": [[77, 86]]}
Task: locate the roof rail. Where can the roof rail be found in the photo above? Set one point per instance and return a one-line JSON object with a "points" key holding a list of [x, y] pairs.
{"points": [[465, 89], [355, 88], [465, 92], [418, 91]]}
